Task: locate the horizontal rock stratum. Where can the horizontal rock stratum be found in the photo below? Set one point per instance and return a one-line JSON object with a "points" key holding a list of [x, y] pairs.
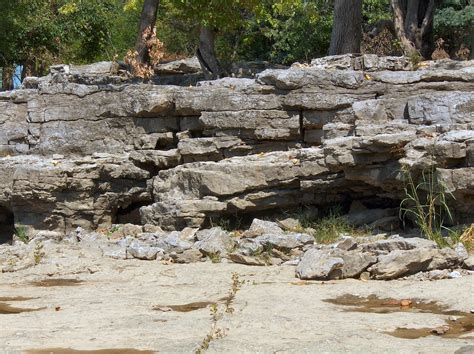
{"points": [[85, 147]]}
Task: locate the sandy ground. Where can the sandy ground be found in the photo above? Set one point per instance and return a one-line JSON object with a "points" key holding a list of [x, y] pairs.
{"points": [[273, 312]]}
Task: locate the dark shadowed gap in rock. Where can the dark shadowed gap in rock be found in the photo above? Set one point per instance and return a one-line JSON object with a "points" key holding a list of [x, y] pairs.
{"points": [[129, 214], [7, 225], [149, 167], [243, 220], [301, 123], [380, 203]]}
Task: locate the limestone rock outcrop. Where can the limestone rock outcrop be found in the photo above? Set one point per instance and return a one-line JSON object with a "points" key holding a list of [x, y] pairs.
{"points": [[86, 147]]}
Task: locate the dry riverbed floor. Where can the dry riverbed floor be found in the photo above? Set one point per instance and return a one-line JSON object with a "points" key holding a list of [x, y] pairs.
{"points": [[79, 302]]}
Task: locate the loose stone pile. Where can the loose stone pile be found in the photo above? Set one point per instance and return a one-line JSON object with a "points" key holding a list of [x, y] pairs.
{"points": [[378, 257]]}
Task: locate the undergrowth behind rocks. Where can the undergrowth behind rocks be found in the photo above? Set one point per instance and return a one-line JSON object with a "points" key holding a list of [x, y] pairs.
{"points": [[325, 229]]}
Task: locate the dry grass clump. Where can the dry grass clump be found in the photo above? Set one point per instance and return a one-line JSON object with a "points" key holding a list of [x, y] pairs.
{"points": [[155, 52], [467, 237]]}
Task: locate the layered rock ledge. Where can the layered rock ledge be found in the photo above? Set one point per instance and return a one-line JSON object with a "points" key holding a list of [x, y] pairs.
{"points": [[83, 147]]}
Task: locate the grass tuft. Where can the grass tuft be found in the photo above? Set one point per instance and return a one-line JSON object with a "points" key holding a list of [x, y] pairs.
{"points": [[21, 233], [426, 202], [330, 228]]}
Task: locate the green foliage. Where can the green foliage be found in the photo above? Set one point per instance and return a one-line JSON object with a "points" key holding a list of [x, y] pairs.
{"points": [[426, 202], [415, 59], [376, 10], [29, 30], [327, 229], [22, 233], [286, 31], [215, 257], [330, 228], [227, 223], [87, 25], [221, 14], [454, 22], [38, 33]]}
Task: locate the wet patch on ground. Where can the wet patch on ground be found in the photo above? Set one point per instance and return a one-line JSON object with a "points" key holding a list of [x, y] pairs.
{"points": [[7, 309], [16, 298], [192, 306], [99, 351], [56, 282], [458, 323]]}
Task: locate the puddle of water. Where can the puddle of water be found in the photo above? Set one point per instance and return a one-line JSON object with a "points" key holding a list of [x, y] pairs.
{"points": [[6, 309], [459, 324], [99, 351], [16, 298], [56, 282], [193, 306]]}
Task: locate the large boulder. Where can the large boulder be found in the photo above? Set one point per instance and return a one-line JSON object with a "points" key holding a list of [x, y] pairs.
{"points": [[214, 241], [318, 264], [405, 262]]}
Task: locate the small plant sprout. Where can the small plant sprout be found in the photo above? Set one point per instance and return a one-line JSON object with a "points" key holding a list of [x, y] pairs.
{"points": [[21, 233], [38, 253]]}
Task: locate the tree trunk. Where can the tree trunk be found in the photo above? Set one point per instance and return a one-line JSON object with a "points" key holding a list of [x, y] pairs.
{"points": [[347, 27], [206, 54], [7, 78], [147, 20], [413, 20]]}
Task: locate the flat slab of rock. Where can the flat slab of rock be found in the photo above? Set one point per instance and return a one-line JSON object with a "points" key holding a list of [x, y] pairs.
{"points": [[248, 260], [406, 262], [188, 256], [143, 251], [399, 243], [285, 241]]}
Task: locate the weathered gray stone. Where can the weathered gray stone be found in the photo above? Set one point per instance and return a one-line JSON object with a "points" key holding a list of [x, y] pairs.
{"points": [[178, 241], [214, 241], [290, 224], [181, 66], [176, 156], [398, 243], [348, 243], [469, 262], [249, 247], [248, 260], [461, 251], [260, 227], [405, 262], [143, 251], [318, 264], [187, 256], [355, 263], [285, 241]]}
